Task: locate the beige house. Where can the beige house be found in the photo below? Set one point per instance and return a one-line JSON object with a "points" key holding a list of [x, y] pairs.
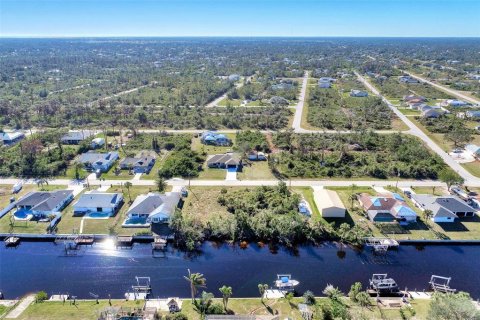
{"points": [[328, 203]]}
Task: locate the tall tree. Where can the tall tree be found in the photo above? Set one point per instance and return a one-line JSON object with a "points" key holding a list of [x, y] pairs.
{"points": [[196, 281], [226, 294]]}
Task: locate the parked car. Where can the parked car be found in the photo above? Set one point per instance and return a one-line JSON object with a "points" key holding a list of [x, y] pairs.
{"points": [[408, 194]]}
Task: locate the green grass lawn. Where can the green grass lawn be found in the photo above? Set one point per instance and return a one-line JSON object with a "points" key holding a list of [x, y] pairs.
{"points": [[472, 167], [82, 310], [408, 111], [232, 102], [112, 173], [212, 174], [90, 310], [256, 170], [307, 193], [153, 174]]}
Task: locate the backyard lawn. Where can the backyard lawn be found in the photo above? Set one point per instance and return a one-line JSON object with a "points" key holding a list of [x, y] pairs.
{"points": [[208, 149], [90, 310]]}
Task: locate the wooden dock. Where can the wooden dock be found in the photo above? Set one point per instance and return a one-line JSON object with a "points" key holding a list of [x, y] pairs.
{"points": [[124, 241], [85, 240]]}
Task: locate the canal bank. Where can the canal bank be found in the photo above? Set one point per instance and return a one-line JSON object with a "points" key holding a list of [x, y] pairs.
{"points": [[105, 270]]}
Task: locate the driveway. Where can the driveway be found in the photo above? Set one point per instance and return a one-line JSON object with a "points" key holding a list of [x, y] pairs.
{"points": [[231, 175]]}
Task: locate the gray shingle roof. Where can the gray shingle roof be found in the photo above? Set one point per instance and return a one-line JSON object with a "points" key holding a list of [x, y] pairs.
{"points": [[44, 201], [95, 199], [227, 159], [442, 206], [153, 203]]}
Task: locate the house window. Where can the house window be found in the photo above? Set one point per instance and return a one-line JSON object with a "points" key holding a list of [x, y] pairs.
{"points": [[99, 209]]}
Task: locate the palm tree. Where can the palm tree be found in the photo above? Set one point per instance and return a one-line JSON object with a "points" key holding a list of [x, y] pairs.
{"points": [[261, 289], [226, 294], [196, 281], [127, 186], [78, 166], [427, 214]]}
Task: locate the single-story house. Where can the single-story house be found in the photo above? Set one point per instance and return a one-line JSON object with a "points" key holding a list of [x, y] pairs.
{"points": [[454, 103], [76, 136], [11, 137], [224, 161], [138, 165], [417, 105], [105, 204], [358, 93], [473, 114], [94, 161], [154, 207], [216, 139], [443, 208], [324, 85], [387, 208], [414, 98], [431, 112], [233, 77], [41, 203], [329, 203], [98, 143], [256, 156], [408, 79], [473, 149]]}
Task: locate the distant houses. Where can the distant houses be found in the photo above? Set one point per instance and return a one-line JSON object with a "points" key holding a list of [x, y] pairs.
{"points": [[41, 204], [256, 156], [358, 93], [95, 204], [76, 136], [152, 208], [473, 114], [138, 165], [431, 111], [444, 208], [329, 203], [94, 161], [215, 139], [325, 82], [233, 77], [11, 137], [454, 103], [408, 80], [387, 208], [224, 161]]}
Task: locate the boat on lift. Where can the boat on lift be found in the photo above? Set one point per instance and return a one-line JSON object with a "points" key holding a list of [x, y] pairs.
{"points": [[382, 284], [285, 282]]}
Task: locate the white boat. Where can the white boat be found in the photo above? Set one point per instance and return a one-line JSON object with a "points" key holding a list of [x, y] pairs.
{"points": [[285, 282], [17, 187], [381, 283]]}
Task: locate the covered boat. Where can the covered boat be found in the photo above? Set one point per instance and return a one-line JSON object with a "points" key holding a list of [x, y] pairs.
{"points": [[285, 282]]}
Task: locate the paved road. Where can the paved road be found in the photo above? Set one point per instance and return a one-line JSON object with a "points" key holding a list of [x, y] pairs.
{"points": [[414, 130], [22, 306], [237, 183], [238, 85], [297, 118], [443, 88]]}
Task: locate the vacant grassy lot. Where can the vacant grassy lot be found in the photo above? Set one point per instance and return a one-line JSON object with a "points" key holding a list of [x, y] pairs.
{"points": [[255, 170], [473, 167], [212, 174], [202, 201]]}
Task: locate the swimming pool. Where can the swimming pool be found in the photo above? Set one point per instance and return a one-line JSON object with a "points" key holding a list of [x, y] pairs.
{"points": [[22, 215], [98, 215], [135, 222]]}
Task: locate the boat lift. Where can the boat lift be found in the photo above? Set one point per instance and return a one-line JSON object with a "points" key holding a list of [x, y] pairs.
{"points": [[441, 284], [380, 245], [159, 245], [381, 283], [141, 290]]}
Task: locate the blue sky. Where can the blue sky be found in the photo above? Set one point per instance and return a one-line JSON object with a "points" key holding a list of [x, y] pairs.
{"points": [[51, 18]]}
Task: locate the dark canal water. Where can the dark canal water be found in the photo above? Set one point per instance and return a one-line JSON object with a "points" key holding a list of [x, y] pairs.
{"points": [[104, 270]]}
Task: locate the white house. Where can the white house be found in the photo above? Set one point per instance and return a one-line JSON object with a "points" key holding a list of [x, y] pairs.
{"points": [[256, 156], [42, 204], [358, 93], [98, 143], [94, 161], [100, 204], [473, 149], [444, 208], [454, 103], [329, 203], [153, 208]]}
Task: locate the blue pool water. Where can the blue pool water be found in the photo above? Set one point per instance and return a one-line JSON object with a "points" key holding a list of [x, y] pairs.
{"points": [[21, 214], [136, 220], [105, 270], [99, 215]]}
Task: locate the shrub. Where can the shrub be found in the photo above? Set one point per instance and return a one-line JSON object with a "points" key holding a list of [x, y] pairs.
{"points": [[309, 298], [41, 296]]}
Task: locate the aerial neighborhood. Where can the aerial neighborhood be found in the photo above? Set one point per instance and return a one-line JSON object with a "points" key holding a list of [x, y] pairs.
{"points": [[294, 171]]}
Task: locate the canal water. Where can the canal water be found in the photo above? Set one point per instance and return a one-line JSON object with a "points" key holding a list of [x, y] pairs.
{"points": [[103, 270]]}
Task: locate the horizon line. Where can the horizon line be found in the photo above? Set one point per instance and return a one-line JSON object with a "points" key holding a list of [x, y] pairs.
{"points": [[229, 36]]}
